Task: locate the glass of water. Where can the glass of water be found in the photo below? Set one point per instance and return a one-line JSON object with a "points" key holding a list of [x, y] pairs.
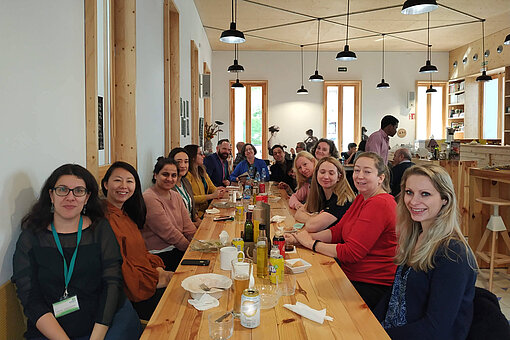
{"points": [[221, 325]]}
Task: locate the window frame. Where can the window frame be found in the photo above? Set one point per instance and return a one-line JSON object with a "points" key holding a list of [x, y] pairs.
{"points": [[357, 109], [444, 85], [248, 84]]}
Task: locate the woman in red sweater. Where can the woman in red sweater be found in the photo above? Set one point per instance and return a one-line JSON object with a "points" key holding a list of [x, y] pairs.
{"points": [[364, 240], [145, 277]]}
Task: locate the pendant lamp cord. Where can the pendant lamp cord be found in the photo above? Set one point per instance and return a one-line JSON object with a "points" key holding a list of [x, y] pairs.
{"points": [[428, 36], [234, 13], [483, 44], [383, 55], [302, 66], [317, 54], [347, 31]]}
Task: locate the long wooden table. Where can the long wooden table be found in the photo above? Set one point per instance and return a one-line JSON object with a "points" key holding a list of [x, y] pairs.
{"points": [[324, 285]]}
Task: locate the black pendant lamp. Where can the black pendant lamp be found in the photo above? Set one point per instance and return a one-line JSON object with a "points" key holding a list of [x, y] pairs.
{"points": [[237, 84], [316, 77], [483, 76], [430, 89], [302, 90], [507, 40], [428, 65], [235, 67], [383, 84], [346, 54], [418, 6], [232, 35]]}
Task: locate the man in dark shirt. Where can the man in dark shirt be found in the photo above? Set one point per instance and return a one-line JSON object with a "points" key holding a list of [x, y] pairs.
{"points": [[280, 170], [348, 156], [401, 161], [216, 164], [239, 157]]}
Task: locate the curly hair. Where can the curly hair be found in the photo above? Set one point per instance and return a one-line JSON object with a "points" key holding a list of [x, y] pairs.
{"points": [[333, 151]]}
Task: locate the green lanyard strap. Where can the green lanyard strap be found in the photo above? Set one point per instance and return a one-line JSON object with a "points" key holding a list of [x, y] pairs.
{"points": [[185, 196], [68, 272]]}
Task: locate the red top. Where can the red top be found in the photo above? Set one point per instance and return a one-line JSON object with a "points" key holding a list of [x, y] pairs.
{"points": [[367, 241], [138, 265]]}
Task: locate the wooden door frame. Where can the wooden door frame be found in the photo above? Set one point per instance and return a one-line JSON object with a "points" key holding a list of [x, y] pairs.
{"points": [[437, 83]]}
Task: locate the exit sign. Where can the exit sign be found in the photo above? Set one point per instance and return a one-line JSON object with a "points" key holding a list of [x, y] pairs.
{"points": [[342, 69]]}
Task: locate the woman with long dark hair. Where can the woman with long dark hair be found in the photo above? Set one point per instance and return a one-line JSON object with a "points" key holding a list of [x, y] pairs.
{"points": [[143, 272], [168, 228], [67, 264], [202, 186]]}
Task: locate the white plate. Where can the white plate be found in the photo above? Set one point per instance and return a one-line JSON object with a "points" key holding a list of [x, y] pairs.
{"points": [[297, 270], [192, 284]]}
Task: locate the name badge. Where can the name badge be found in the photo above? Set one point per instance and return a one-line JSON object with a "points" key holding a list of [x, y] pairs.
{"points": [[66, 306]]}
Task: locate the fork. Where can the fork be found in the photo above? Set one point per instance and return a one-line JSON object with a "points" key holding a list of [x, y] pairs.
{"points": [[206, 288]]}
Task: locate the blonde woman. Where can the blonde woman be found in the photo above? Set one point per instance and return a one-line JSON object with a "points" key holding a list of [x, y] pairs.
{"points": [[432, 296], [304, 165], [364, 240], [329, 198]]}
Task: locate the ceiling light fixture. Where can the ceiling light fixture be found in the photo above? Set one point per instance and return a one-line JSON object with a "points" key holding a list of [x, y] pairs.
{"points": [[507, 40], [302, 90], [430, 89], [383, 84], [418, 6], [483, 76], [316, 77], [237, 84], [428, 65], [346, 54], [235, 67], [232, 35]]}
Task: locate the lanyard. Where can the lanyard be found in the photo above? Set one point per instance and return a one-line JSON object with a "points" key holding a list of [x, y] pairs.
{"points": [[185, 197], [68, 273]]}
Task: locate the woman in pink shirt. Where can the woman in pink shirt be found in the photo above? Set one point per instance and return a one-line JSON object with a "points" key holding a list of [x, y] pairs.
{"points": [[304, 164], [168, 227]]}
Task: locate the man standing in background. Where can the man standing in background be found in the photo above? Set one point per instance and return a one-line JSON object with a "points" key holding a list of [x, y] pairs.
{"points": [[401, 161], [216, 164], [379, 141]]}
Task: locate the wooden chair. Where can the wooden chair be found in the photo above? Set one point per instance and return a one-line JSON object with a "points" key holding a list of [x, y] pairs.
{"points": [[494, 227]]}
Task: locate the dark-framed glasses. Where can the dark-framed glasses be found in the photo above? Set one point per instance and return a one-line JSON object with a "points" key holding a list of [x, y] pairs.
{"points": [[62, 191]]}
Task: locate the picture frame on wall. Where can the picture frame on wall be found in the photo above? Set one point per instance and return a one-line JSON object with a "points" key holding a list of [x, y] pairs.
{"points": [[201, 131], [187, 108]]}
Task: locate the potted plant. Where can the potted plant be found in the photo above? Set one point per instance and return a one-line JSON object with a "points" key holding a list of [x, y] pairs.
{"points": [[210, 131]]}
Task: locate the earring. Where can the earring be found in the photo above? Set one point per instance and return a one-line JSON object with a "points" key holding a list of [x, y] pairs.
{"points": [[84, 211], [52, 208]]}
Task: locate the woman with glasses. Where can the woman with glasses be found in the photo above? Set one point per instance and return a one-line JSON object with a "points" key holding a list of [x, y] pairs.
{"points": [[203, 188], [145, 277], [251, 164], [183, 186], [329, 198], [168, 228], [67, 264]]}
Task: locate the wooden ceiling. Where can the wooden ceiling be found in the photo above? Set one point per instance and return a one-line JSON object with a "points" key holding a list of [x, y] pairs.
{"points": [[284, 25]]}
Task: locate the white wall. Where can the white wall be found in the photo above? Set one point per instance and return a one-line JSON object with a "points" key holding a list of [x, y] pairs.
{"points": [[297, 113], [42, 117], [150, 110]]}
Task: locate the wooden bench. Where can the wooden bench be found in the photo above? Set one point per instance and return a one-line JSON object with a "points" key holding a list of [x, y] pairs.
{"points": [[12, 320]]}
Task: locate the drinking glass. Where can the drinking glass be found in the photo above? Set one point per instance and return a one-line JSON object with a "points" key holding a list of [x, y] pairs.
{"points": [[222, 329], [288, 286], [241, 270]]}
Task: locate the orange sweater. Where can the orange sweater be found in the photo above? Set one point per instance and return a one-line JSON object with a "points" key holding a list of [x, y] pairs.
{"points": [[138, 266]]}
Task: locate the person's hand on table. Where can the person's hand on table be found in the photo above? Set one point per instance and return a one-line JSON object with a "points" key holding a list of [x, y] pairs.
{"points": [[221, 192], [197, 222], [226, 182], [290, 239], [304, 238], [164, 277], [299, 206]]}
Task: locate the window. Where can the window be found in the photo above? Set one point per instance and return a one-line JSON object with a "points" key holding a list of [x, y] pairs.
{"points": [[491, 117], [342, 112], [431, 111], [248, 115]]}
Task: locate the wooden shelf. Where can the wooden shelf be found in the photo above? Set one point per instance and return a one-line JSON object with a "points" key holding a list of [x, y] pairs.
{"points": [[456, 118], [456, 104], [457, 92]]}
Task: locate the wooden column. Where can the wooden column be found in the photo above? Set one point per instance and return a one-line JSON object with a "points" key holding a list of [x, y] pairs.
{"points": [[207, 100], [171, 70], [91, 85], [194, 91], [124, 128]]}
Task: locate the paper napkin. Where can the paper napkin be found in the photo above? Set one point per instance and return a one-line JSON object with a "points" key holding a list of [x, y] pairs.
{"points": [[205, 302], [277, 219], [212, 211], [309, 313]]}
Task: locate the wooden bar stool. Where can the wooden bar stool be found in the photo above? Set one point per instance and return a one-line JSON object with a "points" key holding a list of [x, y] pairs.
{"points": [[495, 226]]}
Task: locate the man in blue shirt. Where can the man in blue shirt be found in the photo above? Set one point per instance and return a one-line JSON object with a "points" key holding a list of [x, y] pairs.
{"points": [[216, 164]]}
